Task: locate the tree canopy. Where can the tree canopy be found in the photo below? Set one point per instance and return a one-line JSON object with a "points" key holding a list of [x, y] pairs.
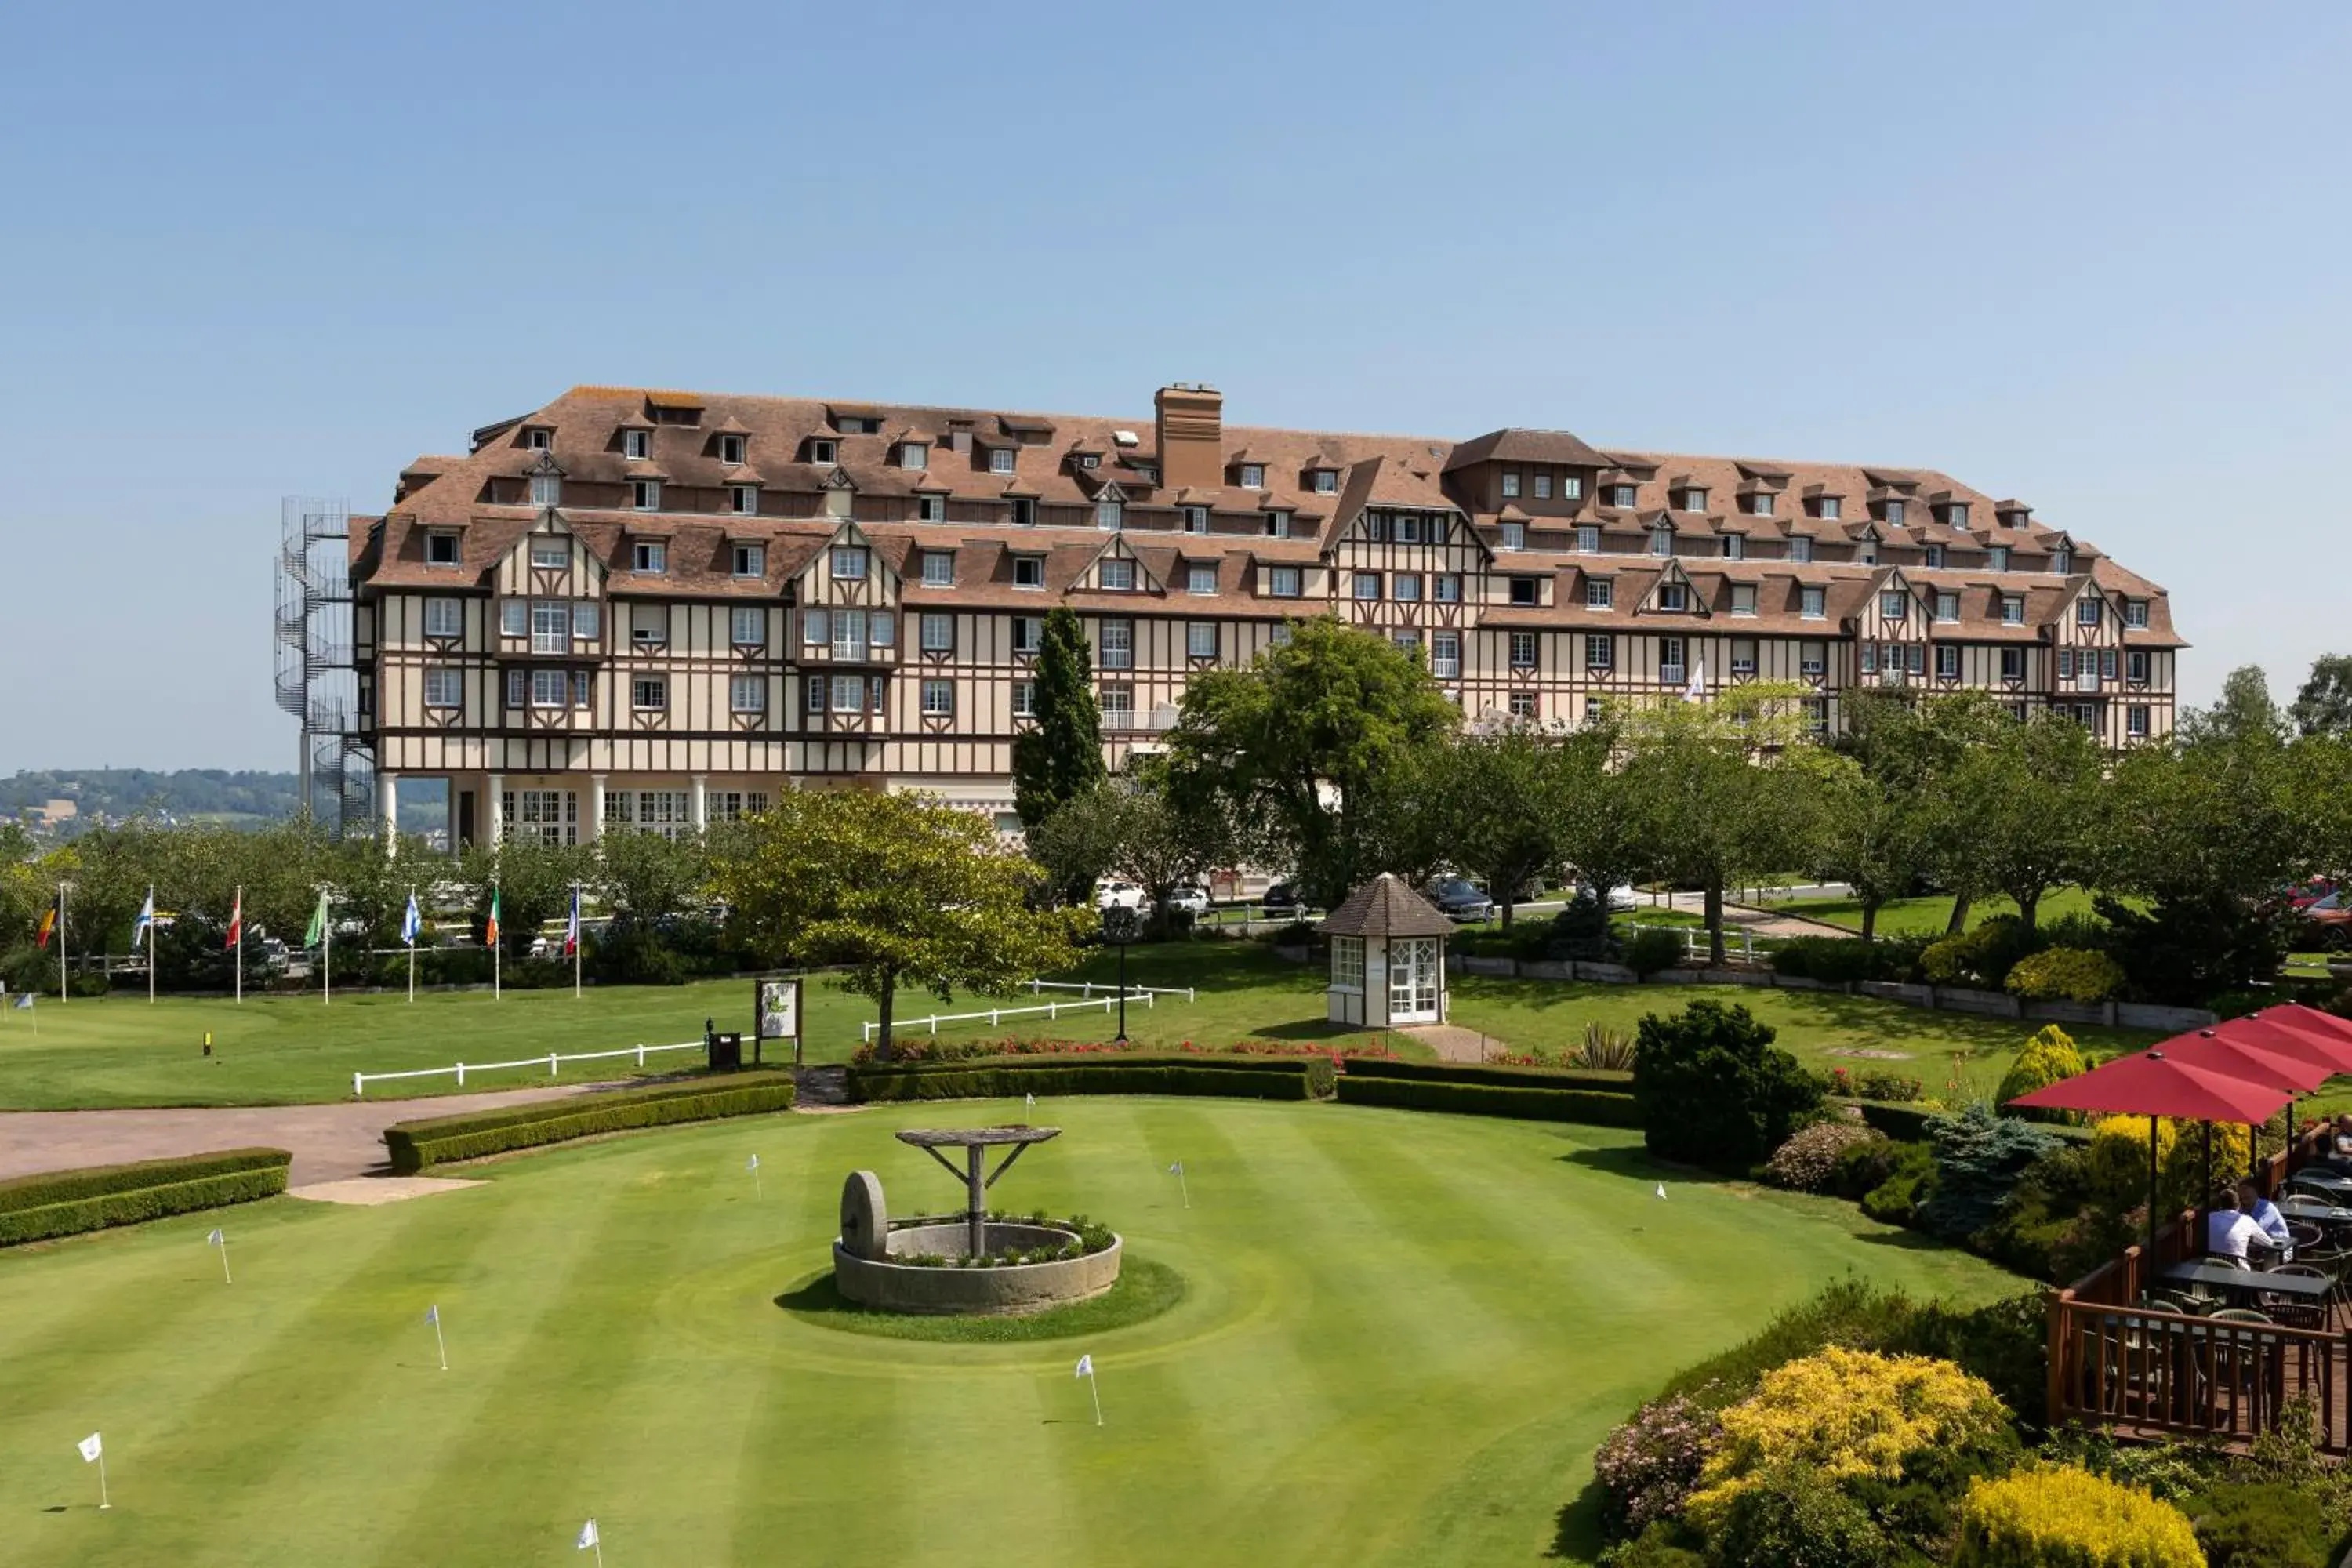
{"points": [[1060, 758]]}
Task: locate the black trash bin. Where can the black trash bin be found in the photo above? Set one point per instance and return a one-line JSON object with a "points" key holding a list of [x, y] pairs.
{"points": [[726, 1052]]}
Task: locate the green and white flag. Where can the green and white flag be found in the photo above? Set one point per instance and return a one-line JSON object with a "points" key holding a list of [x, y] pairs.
{"points": [[318, 932]]}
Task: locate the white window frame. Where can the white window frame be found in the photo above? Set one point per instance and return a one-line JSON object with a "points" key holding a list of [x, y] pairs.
{"points": [[1672, 597], [1000, 459], [1253, 476], [1446, 588], [1813, 603], [1200, 579], [445, 687], [442, 548], [1196, 519], [551, 689], [1109, 515], [1893, 604], [1199, 639], [1325, 481], [1996, 558], [1743, 598], [938, 569], [1025, 699], [1028, 634], [1029, 572], [1282, 581], [550, 625], [1830, 509], [2012, 609], [1543, 486], [1115, 643], [649, 693], [2135, 614], [747, 560], [1405, 587], [1948, 661], [1801, 548], [1115, 575], [1948, 604], [1743, 656], [1445, 655], [744, 499], [915, 455], [938, 632], [1510, 484], [645, 495], [649, 557], [815, 629], [1515, 536], [636, 445], [1599, 651], [2087, 611], [1347, 964], [445, 618], [1365, 585], [747, 625], [514, 617], [550, 552], [1523, 650], [937, 697], [848, 563]]}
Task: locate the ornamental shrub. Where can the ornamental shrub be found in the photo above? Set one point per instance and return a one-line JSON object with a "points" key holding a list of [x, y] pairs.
{"points": [[2064, 974], [1654, 948], [1795, 1517], [1979, 1158], [1982, 956], [1839, 960], [2262, 1524], [2067, 1518], [1807, 1161], [1911, 1182], [2118, 1161], [1847, 1415], [1711, 1089], [1650, 1464], [2048, 1057]]}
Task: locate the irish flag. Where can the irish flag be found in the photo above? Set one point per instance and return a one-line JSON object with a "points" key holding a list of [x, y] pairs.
{"points": [[491, 926]]}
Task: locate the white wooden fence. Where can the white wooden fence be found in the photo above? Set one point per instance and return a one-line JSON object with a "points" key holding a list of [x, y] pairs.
{"points": [[359, 1081], [1053, 1010]]}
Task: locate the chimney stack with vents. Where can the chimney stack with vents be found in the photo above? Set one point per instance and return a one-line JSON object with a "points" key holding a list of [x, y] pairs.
{"points": [[1191, 429]]}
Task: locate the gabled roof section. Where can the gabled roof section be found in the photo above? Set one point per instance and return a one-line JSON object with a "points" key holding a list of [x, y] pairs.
{"points": [[1520, 444], [1116, 546], [1670, 571], [881, 555]]}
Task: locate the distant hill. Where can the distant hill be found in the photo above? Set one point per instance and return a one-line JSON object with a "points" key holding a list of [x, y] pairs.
{"points": [[125, 792]]}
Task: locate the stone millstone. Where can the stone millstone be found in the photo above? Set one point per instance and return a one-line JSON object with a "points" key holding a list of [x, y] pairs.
{"points": [[865, 1221]]}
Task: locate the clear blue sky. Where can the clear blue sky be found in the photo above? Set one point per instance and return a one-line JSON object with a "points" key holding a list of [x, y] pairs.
{"points": [[2097, 257]]}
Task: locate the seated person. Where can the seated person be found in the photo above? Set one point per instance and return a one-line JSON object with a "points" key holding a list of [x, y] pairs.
{"points": [[2344, 1137], [2228, 1233], [2266, 1214]]}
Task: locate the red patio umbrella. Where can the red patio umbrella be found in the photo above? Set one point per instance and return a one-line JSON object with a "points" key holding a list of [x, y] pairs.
{"points": [[2150, 1083], [2271, 1030], [2310, 1020]]}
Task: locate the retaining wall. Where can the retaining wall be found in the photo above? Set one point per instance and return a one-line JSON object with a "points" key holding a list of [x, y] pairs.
{"points": [[1004, 1290]]}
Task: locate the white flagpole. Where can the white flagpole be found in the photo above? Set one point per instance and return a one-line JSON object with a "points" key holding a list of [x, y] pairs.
{"points": [[240, 944], [102, 1503], [577, 943], [1181, 1186], [220, 1239], [62, 987], [150, 944], [327, 954], [439, 1344], [412, 955], [1095, 1389]]}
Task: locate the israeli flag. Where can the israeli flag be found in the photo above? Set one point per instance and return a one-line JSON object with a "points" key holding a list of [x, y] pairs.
{"points": [[411, 922], [146, 921]]}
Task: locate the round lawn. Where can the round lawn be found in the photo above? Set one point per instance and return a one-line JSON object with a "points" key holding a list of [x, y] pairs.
{"points": [[1399, 1338]]}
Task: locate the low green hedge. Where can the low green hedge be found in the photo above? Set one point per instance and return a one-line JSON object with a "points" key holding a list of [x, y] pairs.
{"points": [[65, 1203], [1593, 1078], [1903, 1124], [1593, 1107], [413, 1145], [1245, 1077]]}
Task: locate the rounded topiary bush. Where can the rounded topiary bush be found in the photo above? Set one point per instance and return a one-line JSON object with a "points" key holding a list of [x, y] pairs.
{"points": [[2067, 1518], [2064, 974], [2048, 1057], [1807, 1161]]}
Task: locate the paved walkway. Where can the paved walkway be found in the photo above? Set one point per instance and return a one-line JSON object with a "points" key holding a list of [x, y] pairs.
{"points": [[1454, 1044], [330, 1142]]}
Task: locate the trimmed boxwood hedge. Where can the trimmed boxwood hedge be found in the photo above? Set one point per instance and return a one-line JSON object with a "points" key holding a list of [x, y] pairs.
{"points": [[413, 1145], [65, 1203], [1247, 1078], [1595, 1079], [1593, 1107]]}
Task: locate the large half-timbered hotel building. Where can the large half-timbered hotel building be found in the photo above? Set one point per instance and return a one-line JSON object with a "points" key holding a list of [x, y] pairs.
{"points": [[660, 608]]}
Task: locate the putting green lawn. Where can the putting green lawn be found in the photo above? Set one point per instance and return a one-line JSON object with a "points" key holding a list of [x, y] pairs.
{"points": [[278, 1051], [1401, 1337]]}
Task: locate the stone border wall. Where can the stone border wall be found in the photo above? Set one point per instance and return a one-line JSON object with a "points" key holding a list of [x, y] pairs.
{"points": [[1943, 999], [1001, 1291]]}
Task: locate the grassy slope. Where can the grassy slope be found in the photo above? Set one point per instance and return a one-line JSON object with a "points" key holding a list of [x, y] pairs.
{"points": [[1907, 917], [1404, 1336], [285, 1050]]}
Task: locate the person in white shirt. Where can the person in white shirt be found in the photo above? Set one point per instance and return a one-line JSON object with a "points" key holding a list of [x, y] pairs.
{"points": [[2229, 1232], [2265, 1213]]}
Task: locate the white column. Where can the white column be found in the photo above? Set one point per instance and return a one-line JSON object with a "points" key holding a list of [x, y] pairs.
{"points": [[495, 791], [387, 800], [701, 801], [594, 825]]}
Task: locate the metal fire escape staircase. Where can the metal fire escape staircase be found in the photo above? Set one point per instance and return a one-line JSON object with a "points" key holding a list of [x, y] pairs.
{"points": [[316, 680]]}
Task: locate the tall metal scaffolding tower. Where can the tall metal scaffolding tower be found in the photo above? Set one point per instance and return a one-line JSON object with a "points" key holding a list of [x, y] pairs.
{"points": [[316, 681]]}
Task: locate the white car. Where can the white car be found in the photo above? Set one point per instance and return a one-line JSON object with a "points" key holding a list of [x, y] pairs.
{"points": [[1120, 896], [1193, 901]]}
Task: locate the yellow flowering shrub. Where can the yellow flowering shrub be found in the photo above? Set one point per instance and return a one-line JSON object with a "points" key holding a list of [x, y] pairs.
{"points": [[2119, 1161], [2067, 1518], [1846, 1413]]}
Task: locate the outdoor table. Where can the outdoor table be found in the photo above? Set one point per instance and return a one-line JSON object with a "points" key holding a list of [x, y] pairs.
{"points": [[2318, 1177], [2220, 1277], [2315, 1211]]}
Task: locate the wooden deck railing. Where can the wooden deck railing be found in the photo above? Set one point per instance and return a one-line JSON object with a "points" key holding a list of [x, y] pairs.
{"points": [[2115, 1362]]}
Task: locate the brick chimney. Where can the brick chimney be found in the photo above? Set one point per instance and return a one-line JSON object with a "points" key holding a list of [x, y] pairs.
{"points": [[1192, 428]]}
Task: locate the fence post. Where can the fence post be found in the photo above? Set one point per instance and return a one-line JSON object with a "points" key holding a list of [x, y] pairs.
{"points": [[461, 1075], [1090, 990], [1188, 994], [991, 1015], [935, 1026], [550, 1064], [358, 1082], [641, 1053], [1053, 1012]]}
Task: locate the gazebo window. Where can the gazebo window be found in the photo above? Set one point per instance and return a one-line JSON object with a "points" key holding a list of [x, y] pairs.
{"points": [[1348, 962]]}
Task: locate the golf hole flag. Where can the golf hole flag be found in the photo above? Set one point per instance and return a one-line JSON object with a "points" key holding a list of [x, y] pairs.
{"points": [[1085, 1369], [91, 1448], [588, 1536]]}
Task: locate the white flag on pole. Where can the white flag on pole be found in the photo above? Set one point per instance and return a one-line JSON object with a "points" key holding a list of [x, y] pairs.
{"points": [[1177, 1169], [433, 1315], [1662, 1189], [91, 1448], [216, 1238], [588, 1536], [1031, 1100], [1085, 1369], [755, 1164]]}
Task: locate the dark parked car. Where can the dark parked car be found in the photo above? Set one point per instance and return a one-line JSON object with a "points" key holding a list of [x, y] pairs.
{"points": [[1282, 899], [1459, 898]]}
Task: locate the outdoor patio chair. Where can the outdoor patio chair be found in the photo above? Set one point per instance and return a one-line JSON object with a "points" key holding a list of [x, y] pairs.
{"points": [[2303, 1234], [2295, 1313]]}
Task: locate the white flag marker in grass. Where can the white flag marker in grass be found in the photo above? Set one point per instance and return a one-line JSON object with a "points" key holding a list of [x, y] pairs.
{"points": [[1662, 1189], [93, 1452], [588, 1537], [220, 1238], [1177, 1171], [433, 1316], [1086, 1370], [754, 1168], [1028, 1099]]}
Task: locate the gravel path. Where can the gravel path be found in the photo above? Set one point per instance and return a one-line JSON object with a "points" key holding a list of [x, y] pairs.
{"points": [[330, 1143]]}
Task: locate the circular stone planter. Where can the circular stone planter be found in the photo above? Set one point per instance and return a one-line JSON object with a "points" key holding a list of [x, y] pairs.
{"points": [[1003, 1289]]}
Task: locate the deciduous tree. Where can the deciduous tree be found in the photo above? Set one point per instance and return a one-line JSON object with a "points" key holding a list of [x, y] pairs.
{"points": [[2324, 705]]}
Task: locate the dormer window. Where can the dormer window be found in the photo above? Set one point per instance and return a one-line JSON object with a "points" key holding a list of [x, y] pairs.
{"points": [[750, 560], [2086, 612], [538, 439], [2135, 614], [1743, 598], [1323, 481], [1510, 485], [1000, 460], [1672, 597], [1088, 460], [745, 499], [1693, 499], [1801, 548], [938, 569], [1956, 514], [1895, 514], [1935, 555], [1028, 570], [731, 450], [645, 494], [639, 444], [1829, 507], [1146, 473], [1253, 476], [823, 451], [1599, 593], [1109, 514], [1588, 538], [440, 548], [1543, 486], [1196, 519], [1813, 603], [546, 490], [1734, 547], [550, 552], [930, 509], [849, 563], [649, 557], [1867, 553], [1662, 542], [1278, 525], [1948, 605], [2012, 609], [1024, 512], [1759, 504], [1200, 578], [916, 455], [1622, 495], [1515, 536], [2061, 561], [1571, 487], [1996, 558], [1115, 575]]}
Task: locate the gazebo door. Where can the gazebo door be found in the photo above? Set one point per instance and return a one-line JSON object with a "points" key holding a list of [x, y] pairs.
{"points": [[1412, 980]]}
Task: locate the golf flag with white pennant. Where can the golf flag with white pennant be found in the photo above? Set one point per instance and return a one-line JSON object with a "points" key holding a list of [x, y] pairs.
{"points": [[1662, 1189], [146, 921], [433, 1316], [91, 1448], [219, 1239], [588, 1536], [317, 928], [1177, 1171], [25, 1000], [216, 1238], [411, 922], [753, 1166], [754, 1163], [1030, 1100], [1085, 1369]]}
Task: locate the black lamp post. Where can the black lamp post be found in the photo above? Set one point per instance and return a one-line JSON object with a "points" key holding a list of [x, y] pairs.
{"points": [[1119, 928]]}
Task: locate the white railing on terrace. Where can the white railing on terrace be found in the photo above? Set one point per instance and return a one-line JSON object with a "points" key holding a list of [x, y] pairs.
{"points": [[1736, 940], [1053, 1010], [359, 1081]]}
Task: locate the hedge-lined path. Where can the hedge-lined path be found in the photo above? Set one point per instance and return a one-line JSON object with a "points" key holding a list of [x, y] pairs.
{"points": [[330, 1143], [1454, 1043]]}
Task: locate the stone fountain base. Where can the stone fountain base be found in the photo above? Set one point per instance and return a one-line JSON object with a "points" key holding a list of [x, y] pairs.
{"points": [[1001, 1291]]}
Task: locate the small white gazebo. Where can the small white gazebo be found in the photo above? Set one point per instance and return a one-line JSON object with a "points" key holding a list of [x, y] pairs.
{"points": [[1388, 957]]}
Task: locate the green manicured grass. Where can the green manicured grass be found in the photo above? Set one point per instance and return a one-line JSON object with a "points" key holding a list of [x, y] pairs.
{"points": [[1931, 916], [1401, 1337], [282, 1050]]}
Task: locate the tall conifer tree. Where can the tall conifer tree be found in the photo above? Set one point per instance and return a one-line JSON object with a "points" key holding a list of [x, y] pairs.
{"points": [[1061, 758]]}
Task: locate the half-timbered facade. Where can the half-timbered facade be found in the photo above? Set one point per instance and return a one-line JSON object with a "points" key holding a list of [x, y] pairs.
{"points": [[661, 609]]}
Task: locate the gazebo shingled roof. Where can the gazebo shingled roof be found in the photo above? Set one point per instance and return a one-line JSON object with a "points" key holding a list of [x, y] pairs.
{"points": [[1385, 907]]}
